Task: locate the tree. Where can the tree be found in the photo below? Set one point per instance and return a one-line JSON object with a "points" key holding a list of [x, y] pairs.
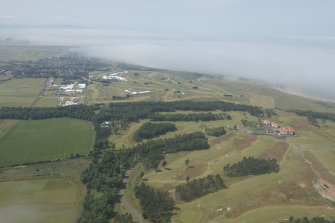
{"points": [[164, 163], [187, 161], [199, 187]]}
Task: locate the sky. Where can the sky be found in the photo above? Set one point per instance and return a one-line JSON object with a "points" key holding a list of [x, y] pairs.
{"points": [[289, 42]]}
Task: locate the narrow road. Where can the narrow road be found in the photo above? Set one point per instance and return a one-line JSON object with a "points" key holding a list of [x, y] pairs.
{"points": [[129, 206], [132, 209]]}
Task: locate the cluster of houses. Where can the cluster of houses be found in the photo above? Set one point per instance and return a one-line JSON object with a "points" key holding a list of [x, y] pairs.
{"points": [[115, 76], [72, 88], [275, 127], [70, 101], [66, 90]]}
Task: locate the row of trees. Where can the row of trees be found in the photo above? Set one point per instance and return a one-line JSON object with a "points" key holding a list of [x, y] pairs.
{"points": [[199, 187], [190, 117], [150, 130], [308, 220], [26, 113], [157, 205], [218, 131], [133, 111], [313, 116], [251, 166], [151, 152]]}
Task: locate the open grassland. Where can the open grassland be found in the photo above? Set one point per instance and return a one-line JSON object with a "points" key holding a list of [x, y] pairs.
{"points": [[28, 53], [291, 186], [171, 86], [42, 140], [69, 169], [126, 137], [46, 101], [5, 126], [20, 92], [273, 213], [40, 201], [265, 198]]}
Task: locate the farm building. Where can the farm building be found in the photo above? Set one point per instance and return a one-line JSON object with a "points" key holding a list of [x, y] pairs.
{"points": [[286, 131], [270, 123], [82, 86]]}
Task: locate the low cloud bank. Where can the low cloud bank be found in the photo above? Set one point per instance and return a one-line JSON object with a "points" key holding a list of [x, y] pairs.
{"points": [[303, 64]]}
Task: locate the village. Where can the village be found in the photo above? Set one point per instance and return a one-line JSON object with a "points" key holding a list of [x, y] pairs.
{"points": [[273, 128]]}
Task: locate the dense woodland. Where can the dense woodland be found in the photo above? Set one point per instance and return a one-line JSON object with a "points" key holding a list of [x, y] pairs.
{"points": [[251, 166], [131, 112], [190, 117], [313, 116], [124, 218], [150, 130], [157, 205], [199, 187], [219, 131], [26, 113]]}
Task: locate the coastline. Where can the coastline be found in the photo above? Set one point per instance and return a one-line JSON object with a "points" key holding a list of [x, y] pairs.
{"points": [[303, 94]]}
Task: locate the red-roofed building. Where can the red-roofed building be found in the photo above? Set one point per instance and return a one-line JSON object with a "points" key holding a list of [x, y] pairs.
{"points": [[286, 131], [270, 123]]}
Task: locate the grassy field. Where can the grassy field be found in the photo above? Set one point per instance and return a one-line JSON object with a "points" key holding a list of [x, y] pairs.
{"points": [[29, 53], [171, 86], [289, 192], [40, 201], [31, 141], [46, 101], [20, 92], [5, 126]]}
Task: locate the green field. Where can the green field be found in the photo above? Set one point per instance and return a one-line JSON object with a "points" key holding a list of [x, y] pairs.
{"points": [[264, 198], [207, 88], [30, 53], [42, 140], [20, 92], [40, 201], [52, 191]]}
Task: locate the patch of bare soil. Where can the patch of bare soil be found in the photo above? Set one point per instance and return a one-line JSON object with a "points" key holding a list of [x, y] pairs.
{"points": [[240, 144], [219, 140], [325, 189], [192, 171], [318, 168], [276, 152]]}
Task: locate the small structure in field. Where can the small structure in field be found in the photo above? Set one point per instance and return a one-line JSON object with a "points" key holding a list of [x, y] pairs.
{"points": [[105, 124]]}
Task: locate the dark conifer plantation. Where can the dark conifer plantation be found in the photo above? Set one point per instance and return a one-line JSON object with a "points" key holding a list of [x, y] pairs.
{"points": [[150, 130], [251, 166], [199, 187]]}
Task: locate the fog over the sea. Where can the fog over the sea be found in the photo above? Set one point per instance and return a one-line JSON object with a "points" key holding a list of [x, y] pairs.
{"points": [[284, 42]]}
